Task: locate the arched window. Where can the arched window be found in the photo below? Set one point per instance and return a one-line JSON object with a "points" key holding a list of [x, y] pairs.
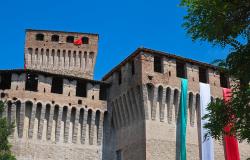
{"points": [[55, 38], [70, 39], [39, 37], [85, 40]]}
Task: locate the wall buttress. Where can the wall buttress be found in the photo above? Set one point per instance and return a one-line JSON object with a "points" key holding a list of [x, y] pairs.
{"points": [[154, 105], [76, 124], [84, 123], [100, 129], [162, 105], [33, 114], [92, 129], [58, 124], [144, 92], [21, 124], [50, 121]]}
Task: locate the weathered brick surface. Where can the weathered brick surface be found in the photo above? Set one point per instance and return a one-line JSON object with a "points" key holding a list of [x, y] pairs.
{"points": [[58, 125], [143, 110], [40, 150], [160, 112], [61, 57]]}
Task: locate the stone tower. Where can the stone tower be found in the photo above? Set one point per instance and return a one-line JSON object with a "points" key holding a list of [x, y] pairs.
{"points": [[144, 101], [59, 111], [55, 52]]}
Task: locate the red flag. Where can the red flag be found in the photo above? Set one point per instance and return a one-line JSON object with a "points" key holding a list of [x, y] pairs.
{"points": [[78, 41], [230, 142]]}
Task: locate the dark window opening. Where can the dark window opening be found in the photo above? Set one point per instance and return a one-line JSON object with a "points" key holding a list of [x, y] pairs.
{"points": [[57, 85], [81, 89], [79, 101], [133, 67], [54, 38], [157, 64], [5, 81], [103, 92], [70, 39], [224, 80], [2, 95], [112, 122], [203, 75], [39, 37], [180, 69], [118, 155], [31, 83], [85, 40], [120, 77]]}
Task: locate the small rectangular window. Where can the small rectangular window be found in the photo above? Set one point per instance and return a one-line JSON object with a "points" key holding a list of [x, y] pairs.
{"points": [[181, 70], [157, 64], [133, 67], [103, 92], [81, 89], [224, 80], [31, 83], [57, 85], [119, 77], [5, 81], [118, 155], [203, 75]]}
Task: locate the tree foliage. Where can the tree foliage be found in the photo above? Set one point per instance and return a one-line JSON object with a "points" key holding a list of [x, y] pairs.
{"points": [[217, 21], [5, 131], [225, 23]]}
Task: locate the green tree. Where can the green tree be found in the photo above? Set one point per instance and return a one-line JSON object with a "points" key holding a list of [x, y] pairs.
{"points": [[5, 131], [225, 23]]}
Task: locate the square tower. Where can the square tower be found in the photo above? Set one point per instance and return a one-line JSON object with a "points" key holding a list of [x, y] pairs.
{"points": [[67, 53]]}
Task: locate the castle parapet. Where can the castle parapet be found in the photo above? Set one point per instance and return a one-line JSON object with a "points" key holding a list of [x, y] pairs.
{"points": [[58, 52]]}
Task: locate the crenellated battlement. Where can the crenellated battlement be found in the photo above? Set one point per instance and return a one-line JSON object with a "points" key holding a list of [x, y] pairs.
{"points": [[37, 120], [145, 101], [52, 130], [54, 112], [57, 52], [60, 112], [47, 86]]}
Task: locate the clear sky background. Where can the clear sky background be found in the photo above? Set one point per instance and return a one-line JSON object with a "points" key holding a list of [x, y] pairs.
{"points": [[123, 26]]}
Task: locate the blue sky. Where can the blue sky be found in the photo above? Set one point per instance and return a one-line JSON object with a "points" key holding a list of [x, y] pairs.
{"points": [[123, 26]]}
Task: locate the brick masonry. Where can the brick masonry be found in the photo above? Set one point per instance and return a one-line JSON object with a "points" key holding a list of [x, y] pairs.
{"points": [[158, 98], [137, 121]]}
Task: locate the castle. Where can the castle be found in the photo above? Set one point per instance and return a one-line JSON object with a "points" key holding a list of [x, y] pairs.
{"points": [[61, 113]]}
